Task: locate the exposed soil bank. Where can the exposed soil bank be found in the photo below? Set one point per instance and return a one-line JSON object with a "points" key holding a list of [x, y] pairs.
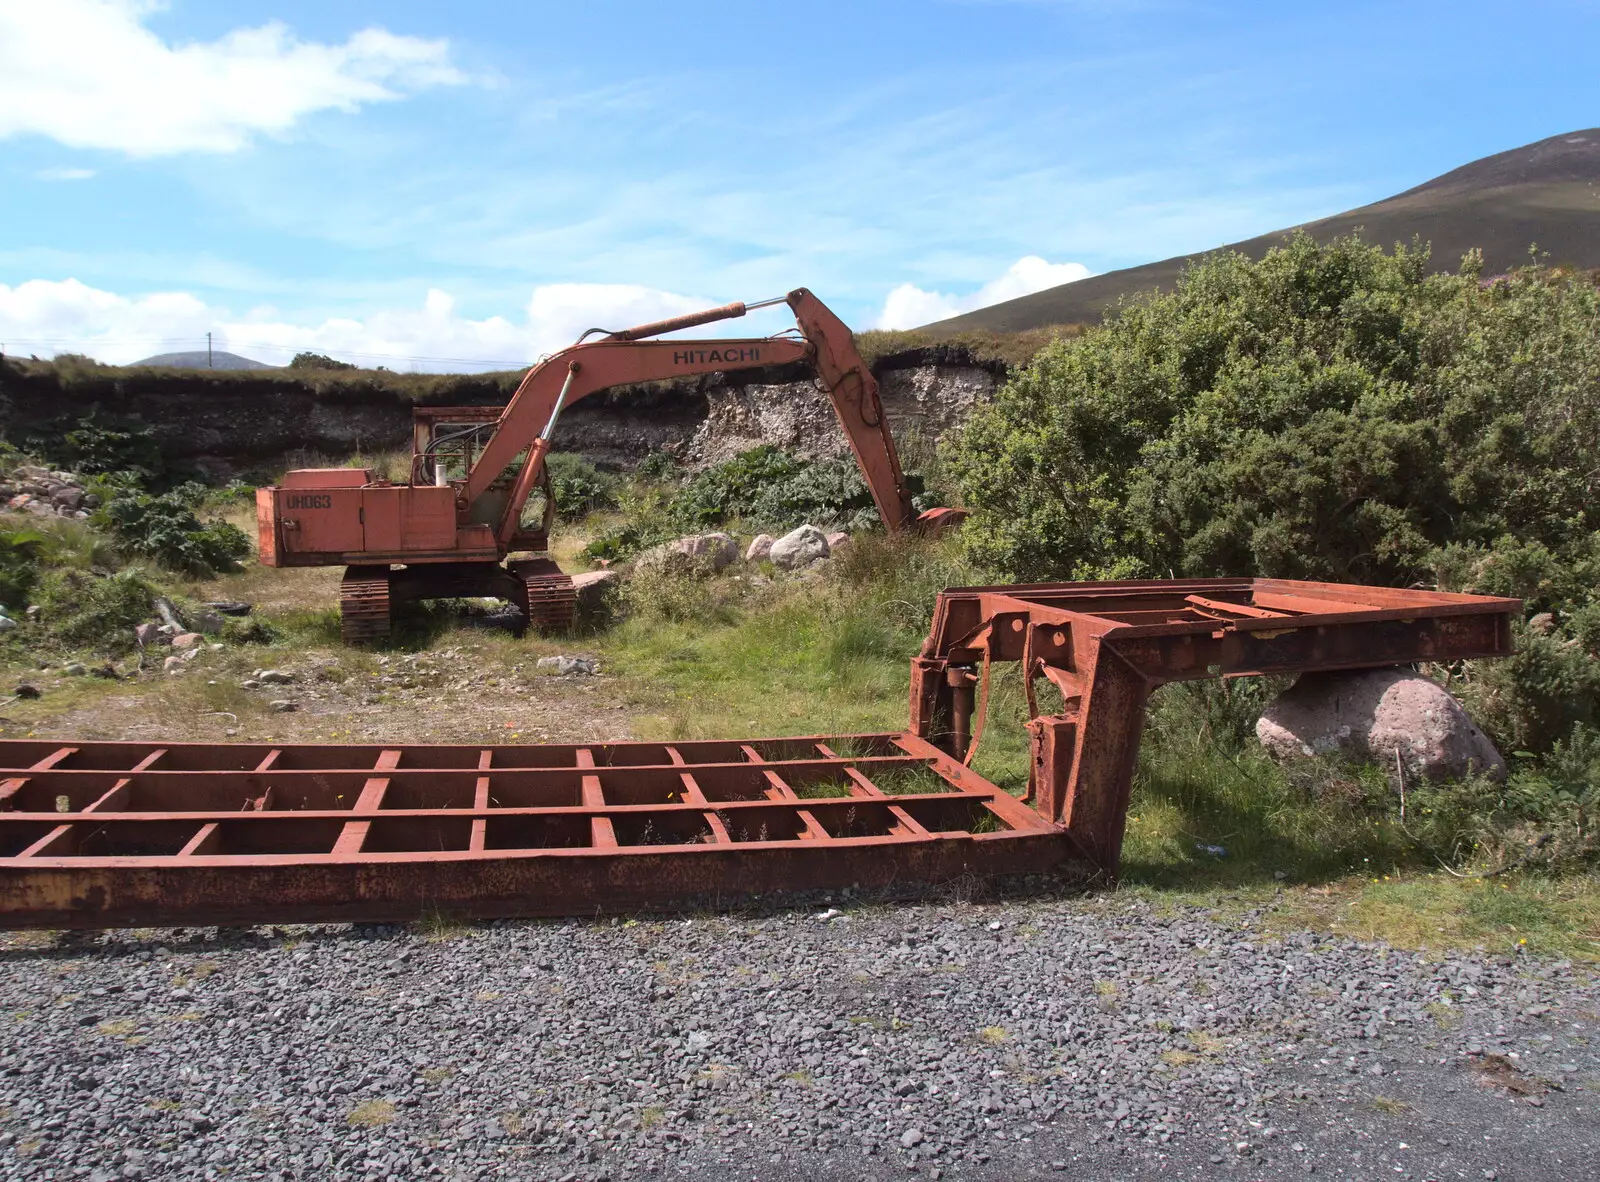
{"points": [[257, 422]]}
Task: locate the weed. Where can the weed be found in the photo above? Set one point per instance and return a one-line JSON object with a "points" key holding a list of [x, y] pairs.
{"points": [[1177, 1058], [371, 1115], [1446, 1017], [436, 1075], [1390, 1106], [118, 1027], [993, 1035], [437, 928]]}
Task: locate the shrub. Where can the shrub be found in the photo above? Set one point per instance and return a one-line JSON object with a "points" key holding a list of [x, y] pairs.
{"points": [[100, 445], [579, 487], [19, 565], [1331, 411], [79, 609], [769, 487], [317, 361], [166, 529]]}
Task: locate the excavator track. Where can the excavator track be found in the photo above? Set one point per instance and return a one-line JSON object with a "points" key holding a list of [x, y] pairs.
{"points": [[547, 595], [365, 610]]}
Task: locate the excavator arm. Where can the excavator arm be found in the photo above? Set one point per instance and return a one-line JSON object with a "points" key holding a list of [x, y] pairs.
{"points": [[547, 389]]}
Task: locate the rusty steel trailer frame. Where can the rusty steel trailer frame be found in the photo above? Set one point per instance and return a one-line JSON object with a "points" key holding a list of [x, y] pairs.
{"points": [[98, 834], [1106, 646], [137, 834]]}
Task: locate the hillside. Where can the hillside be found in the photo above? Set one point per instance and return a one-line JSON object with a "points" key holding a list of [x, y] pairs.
{"points": [[200, 359], [1546, 193]]}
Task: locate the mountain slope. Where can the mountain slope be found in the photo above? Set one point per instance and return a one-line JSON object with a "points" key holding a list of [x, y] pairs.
{"points": [[1546, 193], [197, 360]]}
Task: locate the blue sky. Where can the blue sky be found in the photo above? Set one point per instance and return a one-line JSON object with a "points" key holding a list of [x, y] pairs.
{"points": [[458, 185]]}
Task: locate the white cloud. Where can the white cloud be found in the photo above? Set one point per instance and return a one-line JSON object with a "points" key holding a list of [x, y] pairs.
{"points": [[89, 74], [909, 306], [46, 317], [64, 174]]}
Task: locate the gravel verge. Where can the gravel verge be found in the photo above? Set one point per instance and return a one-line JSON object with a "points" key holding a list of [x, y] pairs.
{"points": [[1066, 1037]]}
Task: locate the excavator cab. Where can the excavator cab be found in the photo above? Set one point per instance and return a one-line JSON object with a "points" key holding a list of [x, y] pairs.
{"points": [[445, 444]]}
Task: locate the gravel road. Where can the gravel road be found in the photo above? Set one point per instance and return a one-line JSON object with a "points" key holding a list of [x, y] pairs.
{"points": [[1069, 1037]]}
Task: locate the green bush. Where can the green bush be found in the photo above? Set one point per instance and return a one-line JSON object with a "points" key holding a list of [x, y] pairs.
{"points": [[19, 566], [768, 487], [81, 610], [100, 445], [579, 487], [166, 529], [1331, 412]]}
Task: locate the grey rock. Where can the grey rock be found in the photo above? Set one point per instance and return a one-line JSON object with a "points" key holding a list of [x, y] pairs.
{"points": [[591, 588], [281, 705], [275, 677], [7, 624], [184, 641], [696, 552], [799, 548], [760, 547], [206, 621], [1376, 714], [565, 666], [75, 669]]}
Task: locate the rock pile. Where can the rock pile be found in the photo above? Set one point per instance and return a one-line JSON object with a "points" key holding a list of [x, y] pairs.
{"points": [[707, 553], [185, 636], [45, 493]]}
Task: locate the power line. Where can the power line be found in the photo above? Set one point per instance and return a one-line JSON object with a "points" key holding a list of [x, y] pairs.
{"points": [[92, 342]]}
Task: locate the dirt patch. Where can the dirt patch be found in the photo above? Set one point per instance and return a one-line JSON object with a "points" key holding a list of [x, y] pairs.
{"points": [[1500, 1072]]}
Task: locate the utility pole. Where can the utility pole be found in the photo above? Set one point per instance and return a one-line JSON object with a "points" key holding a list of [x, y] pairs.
{"points": [[208, 351]]}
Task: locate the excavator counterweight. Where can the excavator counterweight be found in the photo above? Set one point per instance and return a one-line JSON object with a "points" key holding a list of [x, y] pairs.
{"points": [[450, 528]]}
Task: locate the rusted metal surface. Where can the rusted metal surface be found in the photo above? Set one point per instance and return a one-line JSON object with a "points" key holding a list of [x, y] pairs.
{"points": [[131, 834], [114, 834], [1105, 646]]}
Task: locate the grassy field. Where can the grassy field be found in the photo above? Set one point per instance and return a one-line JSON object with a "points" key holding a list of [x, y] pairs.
{"points": [[752, 653]]}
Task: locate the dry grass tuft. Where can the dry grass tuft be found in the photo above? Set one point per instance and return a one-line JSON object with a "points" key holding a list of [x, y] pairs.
{"points": [[371, 1115]]}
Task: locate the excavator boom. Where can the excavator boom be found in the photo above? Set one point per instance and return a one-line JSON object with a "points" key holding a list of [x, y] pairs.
{"points": [[627, 357]]}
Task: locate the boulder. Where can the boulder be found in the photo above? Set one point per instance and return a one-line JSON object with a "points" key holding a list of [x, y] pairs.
{"points": [[760, 547], [837, 539], [1375, 714], [207, 621], [186, 640], [146, 634], [799, 548], [591, 589], [67, 497], [695, 552], [274, 677], [7, 624]]}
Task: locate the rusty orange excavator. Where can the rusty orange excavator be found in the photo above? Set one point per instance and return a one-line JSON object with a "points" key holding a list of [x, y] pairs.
{"points": [[450, 529]]}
